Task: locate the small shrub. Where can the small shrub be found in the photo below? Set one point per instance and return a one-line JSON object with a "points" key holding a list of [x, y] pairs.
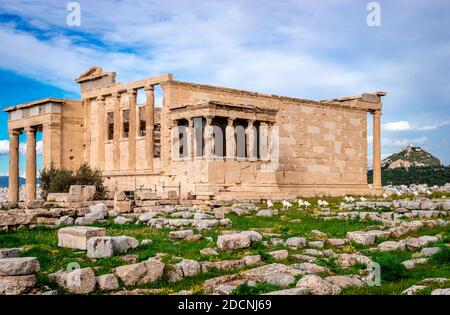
{"points": [[442, 257], [54, 180], [391, 266], [245, 289]]}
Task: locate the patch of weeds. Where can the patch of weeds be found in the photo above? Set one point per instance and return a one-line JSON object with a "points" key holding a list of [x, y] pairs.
{"points": [[391, 267], [441, 257]]}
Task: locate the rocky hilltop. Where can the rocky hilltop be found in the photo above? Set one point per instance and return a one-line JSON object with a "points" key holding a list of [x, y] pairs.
{"points": [[411, 156]]}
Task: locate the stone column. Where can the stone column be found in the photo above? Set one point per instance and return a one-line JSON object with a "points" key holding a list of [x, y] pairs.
{"points": [[149, 126], [51, 135], [251, 140], [13, 191], [87, 130], [132, 133], [190, 139], [377, 149], [208, 138], [264, 141], [101, 132], [175, 140], [230, 140], [31, 164], [116, 137]]}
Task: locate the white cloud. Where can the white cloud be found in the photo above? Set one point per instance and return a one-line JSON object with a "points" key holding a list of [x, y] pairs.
{"points": [[4, 147], [398, 143], [398, 126]]}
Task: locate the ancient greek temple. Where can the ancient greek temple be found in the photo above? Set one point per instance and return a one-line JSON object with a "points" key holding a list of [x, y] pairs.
{"points": [[211, 142]]}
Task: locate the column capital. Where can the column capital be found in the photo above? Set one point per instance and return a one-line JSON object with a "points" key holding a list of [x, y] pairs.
{"points": [[190, 122], [230, 121], [31, 129], [209, 119], [116, 95], [174, 123], [149, 88], [100, 98], [131, 92], [250, 122], [377, 112], [14, 132]]}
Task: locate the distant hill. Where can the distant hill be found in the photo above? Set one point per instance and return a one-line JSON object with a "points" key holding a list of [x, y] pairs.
{"points": [[411, 156], [412, 165], [4, 181]]}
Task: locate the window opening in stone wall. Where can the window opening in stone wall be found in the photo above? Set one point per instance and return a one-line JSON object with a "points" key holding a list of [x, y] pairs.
{"points": [[110, 127], [142, 121]]}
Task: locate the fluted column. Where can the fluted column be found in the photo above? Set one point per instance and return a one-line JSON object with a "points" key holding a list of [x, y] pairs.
{"points": [[31, 164], [116, 136], [377, 148], [230, 139], [251, 140], [190, 140], [13, 190], [132, 132], [149, 126], [101, 132], [264, 141], [208, 138]]}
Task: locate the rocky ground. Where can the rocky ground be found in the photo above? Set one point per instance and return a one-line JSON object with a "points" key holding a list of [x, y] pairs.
{"points": [[296, 247]]}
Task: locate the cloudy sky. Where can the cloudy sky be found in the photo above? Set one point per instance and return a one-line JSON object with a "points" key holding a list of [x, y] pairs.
{"points": [[308, 49]]}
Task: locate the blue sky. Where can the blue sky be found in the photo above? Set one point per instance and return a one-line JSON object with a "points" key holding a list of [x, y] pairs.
{"points": [[307, 49]]}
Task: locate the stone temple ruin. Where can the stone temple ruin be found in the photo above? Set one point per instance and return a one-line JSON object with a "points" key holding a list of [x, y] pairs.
{"points": [[290, 146]]}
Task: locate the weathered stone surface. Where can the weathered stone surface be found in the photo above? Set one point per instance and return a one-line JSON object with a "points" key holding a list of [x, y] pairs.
{"points": [[107, 282], [428, 251], [316, 244], [141, 273], [414, 243], [311, 268], [302, 258], [189, 267], [205, 224], [391, 246], [348, 260], [251, 260], [345, 281], [14, 285], [145, 217], [15, 217], [293, 291], [313, 252], [318, 286], [122, 220], [64, 220], [121, 244], [361, 237], [258, 274], [209, 251], [77, 236], [9, 252], [281, 280], [19, 266], [254, 236], [337, 241], [233, 241], [413, 289], [100, 247], [279, 255], [80, 281], [222, 265], [296, 242], [380, 234], [175, 235], [411, 264], [445, 291], [210, 284]]}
